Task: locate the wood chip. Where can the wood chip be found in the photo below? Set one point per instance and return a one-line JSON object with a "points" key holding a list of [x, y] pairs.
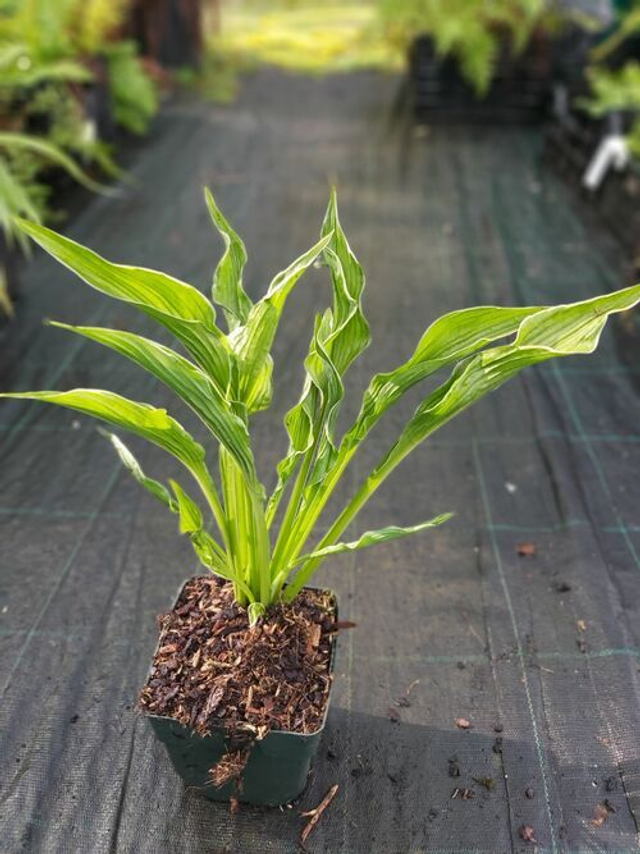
{"points": [[528, 834], [345, 624], [602, 813], [526, 549], [404, 701], [463, 794], [316, 814]]}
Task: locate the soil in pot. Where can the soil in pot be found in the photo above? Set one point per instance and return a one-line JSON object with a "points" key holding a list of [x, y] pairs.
{"points": [[214, 677]]}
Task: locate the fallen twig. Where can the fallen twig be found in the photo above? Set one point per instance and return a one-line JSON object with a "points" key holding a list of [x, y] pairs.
{"points": [[316, 814]]}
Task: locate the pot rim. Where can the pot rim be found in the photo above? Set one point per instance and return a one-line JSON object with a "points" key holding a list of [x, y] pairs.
{"points": [[304, 735]]}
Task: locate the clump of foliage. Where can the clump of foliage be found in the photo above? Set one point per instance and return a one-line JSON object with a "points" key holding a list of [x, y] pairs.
{"points": [[21, 194], [61, 30], [133, 93], [68, 35], [472, 31], [38, 92], [261, 542], [46, 54], [617, 90]]}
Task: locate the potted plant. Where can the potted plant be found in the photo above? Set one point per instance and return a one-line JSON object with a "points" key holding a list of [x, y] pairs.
{"points": [[241, 677], [472, 59]]}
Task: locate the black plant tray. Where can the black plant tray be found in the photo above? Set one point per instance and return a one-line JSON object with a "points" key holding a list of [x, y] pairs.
{"points": [[519, 93]]}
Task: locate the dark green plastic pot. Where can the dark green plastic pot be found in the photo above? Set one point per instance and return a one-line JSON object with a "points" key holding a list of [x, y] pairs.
{"points": [[276, 771]]}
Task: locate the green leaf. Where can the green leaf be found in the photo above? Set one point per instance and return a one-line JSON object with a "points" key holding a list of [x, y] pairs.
{"points": [[252, 342], [190, 383], [542, 334], [157, 489], [255, 611], [15, 201], [211, 556], [227, 280], [144, 420], [553, 332], [372, 538], [340, 335], [52, 153], [191, 520], [181, 308], [449, 339], [350, 334]]}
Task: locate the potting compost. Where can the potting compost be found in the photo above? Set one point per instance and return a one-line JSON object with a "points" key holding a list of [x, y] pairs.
{"points": [[488, 695]]}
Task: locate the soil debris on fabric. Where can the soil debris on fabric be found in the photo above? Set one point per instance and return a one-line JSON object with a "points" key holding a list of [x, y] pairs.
{"points": [[463, 794], [526, 549], [528, 834], [602, 813], [404, 701], [454, 767], [562, 587], [212, 669]]}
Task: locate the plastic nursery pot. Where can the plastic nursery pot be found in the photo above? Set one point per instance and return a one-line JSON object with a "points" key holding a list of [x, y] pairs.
{"points": [[278, 765]]}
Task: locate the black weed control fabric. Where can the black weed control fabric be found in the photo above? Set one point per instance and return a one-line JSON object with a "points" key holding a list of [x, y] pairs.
{"points": [[539, 653]]}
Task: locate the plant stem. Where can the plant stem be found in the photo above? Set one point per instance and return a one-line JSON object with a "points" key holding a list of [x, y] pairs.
{"points": [[370, 485], [286, 542], [289, 521]]}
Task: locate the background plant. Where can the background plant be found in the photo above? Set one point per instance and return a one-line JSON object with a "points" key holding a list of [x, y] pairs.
{"points": [[226, 377], [38, 92], [473, 31], [134, 94], [68, 36], [617, 90]]}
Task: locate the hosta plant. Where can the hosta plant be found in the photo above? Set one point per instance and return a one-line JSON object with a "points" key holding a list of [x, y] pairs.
{"points": [[262, 543]]}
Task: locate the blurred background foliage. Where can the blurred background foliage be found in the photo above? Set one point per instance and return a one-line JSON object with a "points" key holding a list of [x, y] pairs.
{"points": [[77, 76], [66, 74]]}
